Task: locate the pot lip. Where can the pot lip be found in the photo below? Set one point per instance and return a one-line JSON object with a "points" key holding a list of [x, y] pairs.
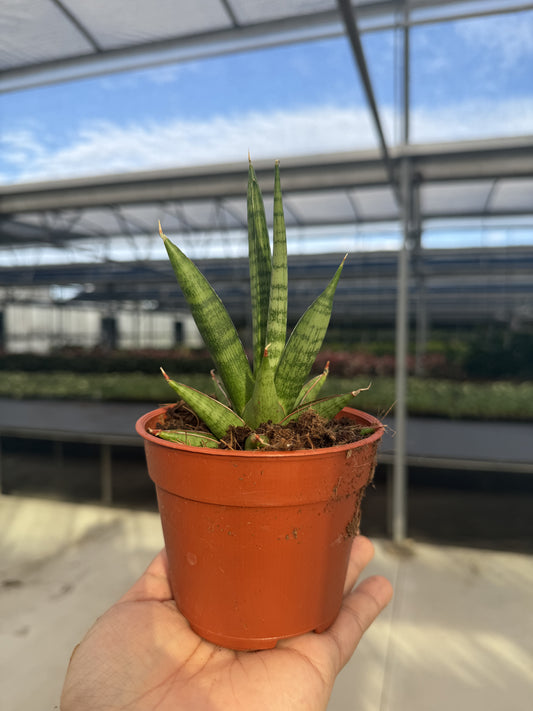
{"points": [[140, 427]]}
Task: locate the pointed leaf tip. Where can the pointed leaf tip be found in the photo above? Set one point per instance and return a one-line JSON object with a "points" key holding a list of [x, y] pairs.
{"points": [[165, 375], [361, 390], [161, 234]]}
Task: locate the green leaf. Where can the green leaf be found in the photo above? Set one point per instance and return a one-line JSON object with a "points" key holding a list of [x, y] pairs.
{"points": [[303, 345], [311, 389], [255, 441], [213, 413], [277, 310], [189, 437], [260, 264], [264, 404], [326, 407], [215, 326]]}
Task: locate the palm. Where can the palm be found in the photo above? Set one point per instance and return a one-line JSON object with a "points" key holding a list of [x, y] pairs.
{"points": [[142, 654]]}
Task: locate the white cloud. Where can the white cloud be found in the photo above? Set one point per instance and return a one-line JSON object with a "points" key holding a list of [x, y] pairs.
{"points": [[104, 147]]}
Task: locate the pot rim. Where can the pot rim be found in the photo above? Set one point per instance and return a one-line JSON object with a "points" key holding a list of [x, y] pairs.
{"points": [[364, 417]]}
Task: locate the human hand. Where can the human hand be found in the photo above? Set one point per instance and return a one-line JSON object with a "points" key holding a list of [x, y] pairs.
{"points": [[142, 655]]}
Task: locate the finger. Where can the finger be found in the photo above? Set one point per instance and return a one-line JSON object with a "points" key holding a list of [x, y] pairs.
{"points": [[360, 556], [359, 609], [154, 583]]}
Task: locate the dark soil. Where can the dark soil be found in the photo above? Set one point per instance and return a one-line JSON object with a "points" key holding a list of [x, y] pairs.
{"points": [[310, 431], [181, 417]]}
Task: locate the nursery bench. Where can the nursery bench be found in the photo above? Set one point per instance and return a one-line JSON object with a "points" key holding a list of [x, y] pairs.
{"points": [[463, 444]]}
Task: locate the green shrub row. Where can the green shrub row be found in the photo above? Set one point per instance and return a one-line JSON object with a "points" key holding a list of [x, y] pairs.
{"points": [[79, 360], [501, 400]]}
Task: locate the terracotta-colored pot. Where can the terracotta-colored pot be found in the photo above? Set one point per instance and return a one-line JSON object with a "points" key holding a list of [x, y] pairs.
{"points": [[258, 542]]}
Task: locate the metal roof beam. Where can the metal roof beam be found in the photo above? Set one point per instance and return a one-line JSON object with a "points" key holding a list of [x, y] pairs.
{"points": [[480, 160]]}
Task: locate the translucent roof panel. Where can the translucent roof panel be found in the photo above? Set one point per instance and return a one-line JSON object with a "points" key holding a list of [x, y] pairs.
{"points": [[424, 10], [471, 78], [513, 196], [326, 208], [100, 221], [146, 21], [33, 31], [374, 204], [236, 210], [442, 199], [248, 12]]}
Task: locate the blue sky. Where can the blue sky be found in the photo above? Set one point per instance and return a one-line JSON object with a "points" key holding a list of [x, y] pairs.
{"points": [[470, 79]]}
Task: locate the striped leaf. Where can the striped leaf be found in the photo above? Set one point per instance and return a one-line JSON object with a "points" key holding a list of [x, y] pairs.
{"points": [[264, 404], [215, 326], [277, 309], [189, 437], [220, 393], [260, 264], [303, 345], [311, 389], [213, 413], [326, 407]]}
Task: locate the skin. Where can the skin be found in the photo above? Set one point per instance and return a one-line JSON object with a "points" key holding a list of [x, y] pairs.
{"points": [[141, 655]]}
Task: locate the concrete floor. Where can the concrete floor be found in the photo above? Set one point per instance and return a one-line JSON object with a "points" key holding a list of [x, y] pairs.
{"points": [[458, 634]]}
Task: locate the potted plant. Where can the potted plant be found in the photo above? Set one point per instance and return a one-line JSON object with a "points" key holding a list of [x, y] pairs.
{"points": [[259, 490]]}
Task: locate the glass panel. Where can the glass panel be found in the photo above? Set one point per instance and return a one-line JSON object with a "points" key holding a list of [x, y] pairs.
{"points": [[472, 78]]}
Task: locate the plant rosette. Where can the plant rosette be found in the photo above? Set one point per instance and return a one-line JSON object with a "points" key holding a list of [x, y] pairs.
{"points": [[258, 542]]}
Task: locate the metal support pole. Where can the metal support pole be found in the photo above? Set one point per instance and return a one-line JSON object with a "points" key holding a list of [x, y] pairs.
{"points": [[421, 333], [399, 482]]}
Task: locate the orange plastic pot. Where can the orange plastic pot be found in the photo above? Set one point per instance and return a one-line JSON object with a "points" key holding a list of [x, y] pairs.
{"points": [[258, 542]]}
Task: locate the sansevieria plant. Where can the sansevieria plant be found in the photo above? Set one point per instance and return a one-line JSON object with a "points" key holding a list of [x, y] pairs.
{"points": [[276, 388]]}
